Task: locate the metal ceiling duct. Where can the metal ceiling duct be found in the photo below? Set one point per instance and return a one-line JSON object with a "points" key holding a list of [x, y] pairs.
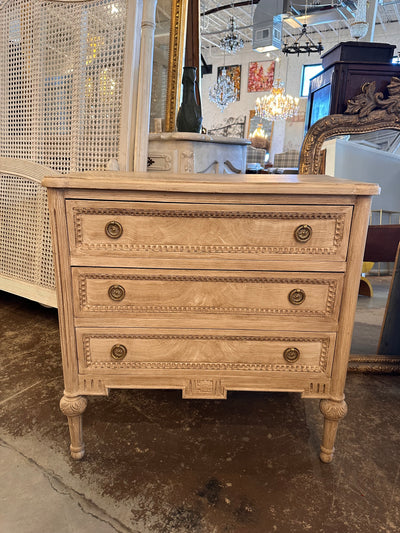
{"points": [[269, 15], [317, 14], [267, 25]]}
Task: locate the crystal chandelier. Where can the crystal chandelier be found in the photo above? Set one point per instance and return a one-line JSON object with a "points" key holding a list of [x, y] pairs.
{"points": [[223, 92], [277, 105], [259, 138], [231, 43], [359, 27]]}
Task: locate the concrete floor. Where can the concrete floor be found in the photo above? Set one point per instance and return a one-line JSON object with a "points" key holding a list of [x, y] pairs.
{"points": [[157, 463]]}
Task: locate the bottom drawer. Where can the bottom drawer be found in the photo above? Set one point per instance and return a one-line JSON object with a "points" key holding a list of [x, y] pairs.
{"points": [[132, 351]]}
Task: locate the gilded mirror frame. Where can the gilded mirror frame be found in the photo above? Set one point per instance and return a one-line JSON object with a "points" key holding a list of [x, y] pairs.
{"points": [[175, 62], [369, 111]]}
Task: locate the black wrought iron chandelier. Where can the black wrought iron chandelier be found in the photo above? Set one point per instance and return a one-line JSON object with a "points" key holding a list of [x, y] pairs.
{"points": [[231, 43], [298, 48]]}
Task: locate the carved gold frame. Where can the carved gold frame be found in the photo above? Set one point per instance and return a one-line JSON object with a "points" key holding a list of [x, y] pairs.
{"points": [[175, 63], [369, 111]]}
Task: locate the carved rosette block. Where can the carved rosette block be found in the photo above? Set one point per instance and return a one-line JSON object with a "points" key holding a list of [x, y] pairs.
{"points": [[73, 407], [333, 411], [204, 389]]}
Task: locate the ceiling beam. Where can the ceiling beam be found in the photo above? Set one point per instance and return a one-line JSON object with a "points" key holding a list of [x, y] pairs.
{"points": [[229, 6]]}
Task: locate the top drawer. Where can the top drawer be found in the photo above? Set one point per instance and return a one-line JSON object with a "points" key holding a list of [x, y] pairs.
{"points": [[175, 230]]}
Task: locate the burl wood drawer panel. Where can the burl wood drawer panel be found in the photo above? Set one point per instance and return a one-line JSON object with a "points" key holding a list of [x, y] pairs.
{"points": [[165, 230], [128, 351], [180, 294]]}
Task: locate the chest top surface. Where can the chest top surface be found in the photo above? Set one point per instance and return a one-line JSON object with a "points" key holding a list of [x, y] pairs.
{"points": [[215, 184]]}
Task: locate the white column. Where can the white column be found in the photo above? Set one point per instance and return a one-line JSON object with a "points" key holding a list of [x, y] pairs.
{"points": [[130, 88], [144, 88], [372, 7]]}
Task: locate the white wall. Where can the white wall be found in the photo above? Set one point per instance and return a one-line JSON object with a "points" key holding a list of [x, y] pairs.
{"points": [[285, 135], [349, 160]]}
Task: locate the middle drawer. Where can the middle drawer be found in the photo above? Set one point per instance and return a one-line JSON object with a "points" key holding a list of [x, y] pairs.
{"points": [[216, 298]]}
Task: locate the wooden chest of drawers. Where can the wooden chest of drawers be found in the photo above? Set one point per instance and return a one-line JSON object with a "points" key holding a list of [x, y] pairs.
{"points": [[207, 284]]}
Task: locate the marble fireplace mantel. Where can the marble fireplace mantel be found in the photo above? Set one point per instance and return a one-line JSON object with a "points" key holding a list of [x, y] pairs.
{"points": [[197, 152]]}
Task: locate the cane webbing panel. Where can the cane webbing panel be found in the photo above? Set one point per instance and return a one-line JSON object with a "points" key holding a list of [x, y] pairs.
{"points": [[61, 75], [25, 244]]}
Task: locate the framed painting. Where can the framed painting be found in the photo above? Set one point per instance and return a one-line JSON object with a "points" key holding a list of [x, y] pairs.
{"points": [[234, 72], [261, 76]]}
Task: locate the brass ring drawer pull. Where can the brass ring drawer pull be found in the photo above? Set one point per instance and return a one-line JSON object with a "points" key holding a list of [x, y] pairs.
{"points": [[116, 293], [118, 352], [303, 233], [297, 296], [291, 355], [113, 229]]}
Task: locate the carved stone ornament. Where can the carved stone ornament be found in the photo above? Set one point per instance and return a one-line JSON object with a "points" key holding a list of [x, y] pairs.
{"points": [[186, 162], [159, 161], [368, 111]]}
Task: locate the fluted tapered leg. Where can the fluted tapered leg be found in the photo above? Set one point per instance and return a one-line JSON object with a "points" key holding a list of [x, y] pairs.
{"points": [[333, 411], [73, 407]]}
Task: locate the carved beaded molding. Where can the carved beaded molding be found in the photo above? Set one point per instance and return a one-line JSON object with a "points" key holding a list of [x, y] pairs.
{"points": [[258, 367], [329, 307], [339, 219], [368, 111]]}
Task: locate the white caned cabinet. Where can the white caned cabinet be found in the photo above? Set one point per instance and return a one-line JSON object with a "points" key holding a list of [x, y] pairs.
{"points": [[207, 283]]}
